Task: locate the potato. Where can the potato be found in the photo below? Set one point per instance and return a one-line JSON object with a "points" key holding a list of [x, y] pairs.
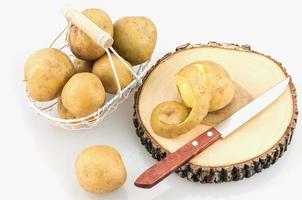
{"points": [[46, 72], [135, 39], [103, 70], [62, 111], [218, 81], [81, 45], [100, 169], [171, 119], [82, 65], [83, 94]]}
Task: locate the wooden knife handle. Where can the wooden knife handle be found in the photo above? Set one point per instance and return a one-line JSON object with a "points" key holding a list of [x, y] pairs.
{"points": [[169, 164]]}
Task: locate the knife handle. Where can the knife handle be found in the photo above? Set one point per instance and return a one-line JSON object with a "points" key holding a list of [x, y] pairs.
{"points": [[172, 161]]}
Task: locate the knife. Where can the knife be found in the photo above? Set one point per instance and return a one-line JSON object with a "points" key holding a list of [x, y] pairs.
{"points": [[173, 161]]}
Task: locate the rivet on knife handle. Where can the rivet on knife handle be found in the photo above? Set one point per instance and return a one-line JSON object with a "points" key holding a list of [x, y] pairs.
{"points": [[166, 166]]}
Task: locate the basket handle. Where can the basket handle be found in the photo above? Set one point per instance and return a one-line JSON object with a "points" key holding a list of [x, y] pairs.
{"points": [[101, 37]]}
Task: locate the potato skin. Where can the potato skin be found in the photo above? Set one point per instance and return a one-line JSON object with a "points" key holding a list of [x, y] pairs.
{"points": [[81, 45], [83, 94], [103, 70], [201, 97], [82, 65], [135, 38], [62, 111], [166, 116], [46, 72], [221, 86], [218, 81], [100, 169]]}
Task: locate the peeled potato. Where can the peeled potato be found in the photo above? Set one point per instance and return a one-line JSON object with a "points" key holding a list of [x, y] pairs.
{"points": [[46, 72], [100, 169], [171, 119], [203, 86], [103, 70], [135, 39], [82, 65], [62, 111], [220, 84], [81, 45], [83, 94]]}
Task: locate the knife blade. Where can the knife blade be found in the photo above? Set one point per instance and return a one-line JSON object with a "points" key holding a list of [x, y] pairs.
{"points": [[172, 161]]}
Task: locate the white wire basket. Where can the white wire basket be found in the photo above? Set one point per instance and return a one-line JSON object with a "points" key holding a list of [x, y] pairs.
{"points": [[48, 109]]}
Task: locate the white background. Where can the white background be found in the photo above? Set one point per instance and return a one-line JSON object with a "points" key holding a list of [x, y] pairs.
{"points": [[37, 159]]}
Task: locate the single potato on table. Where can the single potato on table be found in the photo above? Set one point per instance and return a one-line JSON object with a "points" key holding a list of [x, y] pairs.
{"points": [[103, 70], [81, 45], [135, 38], [100, 169], [83, 94], [46, 72]]}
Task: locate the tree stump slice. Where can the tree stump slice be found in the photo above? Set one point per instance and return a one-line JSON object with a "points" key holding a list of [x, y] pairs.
{"points": [[253, 147]]}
